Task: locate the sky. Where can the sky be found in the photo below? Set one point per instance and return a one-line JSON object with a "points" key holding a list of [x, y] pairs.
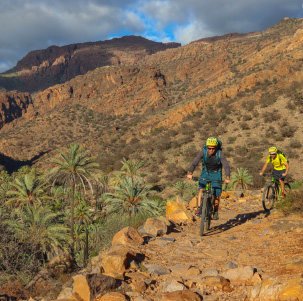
{"points": [[37, 24]]}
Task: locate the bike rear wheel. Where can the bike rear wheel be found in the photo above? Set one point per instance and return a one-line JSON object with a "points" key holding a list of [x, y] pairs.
{"points": [[269, 197]]}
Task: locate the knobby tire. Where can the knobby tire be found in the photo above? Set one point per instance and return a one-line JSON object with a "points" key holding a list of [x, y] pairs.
{"points": [[269, 197], [203, 213], [208, 214], [287, 189]]}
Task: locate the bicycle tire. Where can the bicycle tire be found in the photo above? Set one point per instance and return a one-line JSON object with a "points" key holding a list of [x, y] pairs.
{"points": [[287, 189], [269, 197], [203, 214], [208, 213]]}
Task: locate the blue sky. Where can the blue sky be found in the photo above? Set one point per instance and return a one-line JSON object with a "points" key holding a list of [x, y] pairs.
{"points": [[37, 24]]}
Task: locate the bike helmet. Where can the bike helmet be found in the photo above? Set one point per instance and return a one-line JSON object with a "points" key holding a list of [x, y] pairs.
{"points": [[273, 149], [211, 141]]}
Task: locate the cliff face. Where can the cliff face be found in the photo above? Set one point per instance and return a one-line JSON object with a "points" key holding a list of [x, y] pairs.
{"points": [[13, 105], [130, 99], [40, 69]]}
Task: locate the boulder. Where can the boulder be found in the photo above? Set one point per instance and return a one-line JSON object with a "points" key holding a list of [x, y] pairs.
{"points": [[214, 281], [68, 294], [81, 287], [180, 217], [128, 236], [272, 289], [180, 269], [90, 285], [239, 274], [180, 201], [293, 290], [172, 206], [172, 286], [193, 271], [154, 227], [156, 269], [117, 259], [193, 203]]}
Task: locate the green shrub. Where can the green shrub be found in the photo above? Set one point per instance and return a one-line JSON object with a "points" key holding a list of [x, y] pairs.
{"points": [[231, 139]]}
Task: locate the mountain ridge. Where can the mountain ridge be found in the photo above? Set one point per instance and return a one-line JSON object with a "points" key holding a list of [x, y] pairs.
{"points": [[109, 109]]}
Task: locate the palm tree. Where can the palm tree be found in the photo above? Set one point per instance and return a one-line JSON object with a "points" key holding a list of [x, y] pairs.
{"points": [[27, 190], [83, 217], [130, 168], [180, 187], [130, 197], [73, 166], [102, 187], [40, 228], [241, 178]]}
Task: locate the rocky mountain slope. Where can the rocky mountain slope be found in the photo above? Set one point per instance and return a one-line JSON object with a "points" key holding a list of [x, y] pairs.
{"points": [[40, 69], [161, 107]]}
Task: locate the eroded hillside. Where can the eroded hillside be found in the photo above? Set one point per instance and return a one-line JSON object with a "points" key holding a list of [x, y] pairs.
{"points": [[245, 89]]}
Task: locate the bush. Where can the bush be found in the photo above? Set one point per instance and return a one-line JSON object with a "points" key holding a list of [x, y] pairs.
{"points": [[291, 203], [244, 126], [288, 131], [231, 139], [190, 153], [271, 116], [295, 144], [267, 100]]}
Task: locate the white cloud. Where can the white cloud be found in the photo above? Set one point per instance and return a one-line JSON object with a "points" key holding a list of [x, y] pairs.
{"points": [[36, 24], [191, 32]]}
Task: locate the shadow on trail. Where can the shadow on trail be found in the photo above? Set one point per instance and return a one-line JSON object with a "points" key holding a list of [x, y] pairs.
{"points": [[236, 221]]}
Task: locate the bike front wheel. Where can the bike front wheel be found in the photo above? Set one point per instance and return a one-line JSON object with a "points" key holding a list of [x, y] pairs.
{"points": [[204, 215], [269, 197], [209, 210]]}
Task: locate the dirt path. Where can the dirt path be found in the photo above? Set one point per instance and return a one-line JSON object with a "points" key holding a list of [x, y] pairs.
{"points": [[244, 236]]}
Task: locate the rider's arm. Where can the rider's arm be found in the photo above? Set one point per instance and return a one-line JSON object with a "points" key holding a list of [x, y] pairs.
{"points": [[225, 165], [263, 169], [287, 167], [195, 163]]}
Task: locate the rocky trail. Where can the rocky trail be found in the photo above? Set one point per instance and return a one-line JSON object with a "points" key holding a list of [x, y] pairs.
{"points": [[246, 255]]}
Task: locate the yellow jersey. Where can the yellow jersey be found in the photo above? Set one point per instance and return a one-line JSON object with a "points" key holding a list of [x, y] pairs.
{"points": [[278, 162]]}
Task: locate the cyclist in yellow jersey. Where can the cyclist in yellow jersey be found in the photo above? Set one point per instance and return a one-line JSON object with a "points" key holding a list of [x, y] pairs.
{"points": [[280, 164]]}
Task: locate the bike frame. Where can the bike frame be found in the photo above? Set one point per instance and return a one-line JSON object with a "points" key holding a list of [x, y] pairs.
{"points": [[276, 184], [207, 205]]}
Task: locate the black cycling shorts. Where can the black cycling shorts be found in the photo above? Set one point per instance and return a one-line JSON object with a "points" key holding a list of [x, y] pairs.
{"points": [[277, 174]]}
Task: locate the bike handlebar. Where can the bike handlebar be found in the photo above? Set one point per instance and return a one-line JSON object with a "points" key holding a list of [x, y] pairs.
{"points": [[267, 175], [196, 179]]}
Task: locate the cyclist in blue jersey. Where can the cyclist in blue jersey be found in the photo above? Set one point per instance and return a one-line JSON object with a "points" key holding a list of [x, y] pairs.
{"points": [[213, 159]]}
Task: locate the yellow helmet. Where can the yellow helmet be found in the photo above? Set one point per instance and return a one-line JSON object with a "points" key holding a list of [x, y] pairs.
{"points": [[211, 141], [273, 149]]}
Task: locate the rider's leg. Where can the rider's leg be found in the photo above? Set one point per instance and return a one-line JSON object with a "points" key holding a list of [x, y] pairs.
{"points": [[199, 197], [216, 202], [216, 207]]}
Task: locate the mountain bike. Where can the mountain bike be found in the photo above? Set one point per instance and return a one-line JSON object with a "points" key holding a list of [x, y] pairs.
{"points": [[206, 207], [272, 191]]}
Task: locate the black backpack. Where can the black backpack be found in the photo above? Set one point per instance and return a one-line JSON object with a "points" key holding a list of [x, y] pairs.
{"points": [[279, 152]]}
